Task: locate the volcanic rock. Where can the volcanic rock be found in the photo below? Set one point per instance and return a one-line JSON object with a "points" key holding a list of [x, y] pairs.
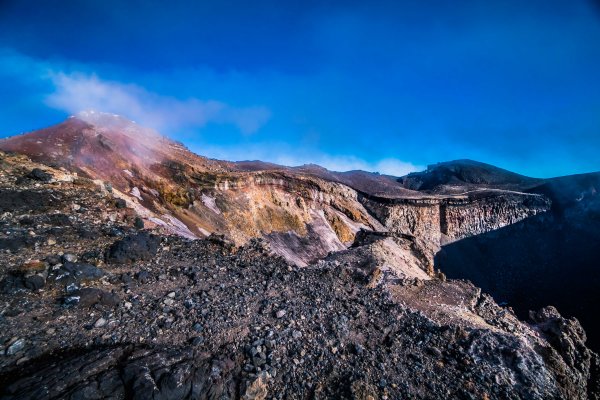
{"points": [[88, 297], [138, 247], [39, 175]]}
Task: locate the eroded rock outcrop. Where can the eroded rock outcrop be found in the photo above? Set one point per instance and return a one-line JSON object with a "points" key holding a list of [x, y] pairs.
{"points": [[442, 220], [436, 221], [374, 255]]}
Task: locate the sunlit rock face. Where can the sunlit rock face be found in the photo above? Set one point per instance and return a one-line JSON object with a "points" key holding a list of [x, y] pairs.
{"points": [[460, 219], [436, 221], [302, 215]]}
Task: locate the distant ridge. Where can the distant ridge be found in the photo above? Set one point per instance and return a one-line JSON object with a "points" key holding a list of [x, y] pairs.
{"points": [[464, 174]]}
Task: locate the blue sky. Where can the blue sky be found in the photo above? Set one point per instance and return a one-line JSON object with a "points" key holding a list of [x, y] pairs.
{"points": [[381, 86]]}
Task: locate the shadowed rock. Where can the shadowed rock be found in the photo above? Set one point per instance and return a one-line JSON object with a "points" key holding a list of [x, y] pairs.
{"points": [[138, 247], [38, 174]]}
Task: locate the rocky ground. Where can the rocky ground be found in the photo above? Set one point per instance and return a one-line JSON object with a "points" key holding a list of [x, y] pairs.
{"points": [[94, 306]]}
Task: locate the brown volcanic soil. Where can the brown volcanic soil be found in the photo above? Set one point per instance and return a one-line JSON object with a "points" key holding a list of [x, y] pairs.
{"points": [[104, 148], [123, 313]]}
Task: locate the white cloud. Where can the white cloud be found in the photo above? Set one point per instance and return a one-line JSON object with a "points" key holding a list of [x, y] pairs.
{"points": [[393, 166], [388, 166], [76, 92], [72, 91], [268, 153]]}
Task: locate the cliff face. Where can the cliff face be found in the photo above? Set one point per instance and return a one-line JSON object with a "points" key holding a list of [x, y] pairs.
{"points": [[438, 221], [461, 219], [447, 220], [420, 218], [302, 218]]}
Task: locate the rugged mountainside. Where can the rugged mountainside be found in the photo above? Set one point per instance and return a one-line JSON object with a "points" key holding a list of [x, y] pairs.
{"points": [[316, 271], [94, 306], [194, 196], [304, 212]]}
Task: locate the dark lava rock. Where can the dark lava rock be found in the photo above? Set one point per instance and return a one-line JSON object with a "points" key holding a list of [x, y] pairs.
{"points": [[39, 175], [197, 341], [17, 242], [126, 372], [138, 247], [138, 223], [58, 220], [11, 284], [53, 259], [143, 277], [92, 256], [126, 278], [568, 338], [34, 282], [88, 297], [26, 221], [342, 344], [23, 200], [71, 272], [87, 233]]}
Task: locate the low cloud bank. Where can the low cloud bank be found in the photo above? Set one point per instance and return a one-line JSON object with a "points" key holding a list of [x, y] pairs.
{"points": [[76, 92], [341, 163]]}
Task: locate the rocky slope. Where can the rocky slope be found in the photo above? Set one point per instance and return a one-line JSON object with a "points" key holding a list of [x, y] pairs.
{"points": [[79, 199], [304, 212], [194, 196], [95, 306]]}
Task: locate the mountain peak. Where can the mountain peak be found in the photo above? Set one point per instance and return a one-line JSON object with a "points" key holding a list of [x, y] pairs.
{"points": [[103, 146], [464, 162], [93, 113], [463, 174], [103, 119]]}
